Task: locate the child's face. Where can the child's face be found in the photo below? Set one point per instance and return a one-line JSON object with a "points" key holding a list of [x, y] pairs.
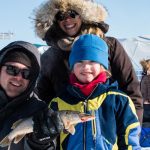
{"points": [[86, 71]]}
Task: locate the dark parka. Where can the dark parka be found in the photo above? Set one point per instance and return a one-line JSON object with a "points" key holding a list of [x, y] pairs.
{"points": [[145, 87], [24, 105], [54, 62]]}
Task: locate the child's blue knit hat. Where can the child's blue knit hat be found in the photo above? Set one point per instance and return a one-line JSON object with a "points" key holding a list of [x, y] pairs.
{"points": [[89, 47]]}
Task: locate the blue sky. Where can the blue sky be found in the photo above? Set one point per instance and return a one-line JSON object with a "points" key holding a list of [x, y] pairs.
{"points": [[127, 19]]}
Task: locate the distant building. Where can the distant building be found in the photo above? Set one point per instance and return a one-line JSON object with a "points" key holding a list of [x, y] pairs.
{"points": [[6, 35]]}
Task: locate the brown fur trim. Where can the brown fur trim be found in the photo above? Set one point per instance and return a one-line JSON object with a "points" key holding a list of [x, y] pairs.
{"points": [[145, 64], [92, 29], [45, 15]]}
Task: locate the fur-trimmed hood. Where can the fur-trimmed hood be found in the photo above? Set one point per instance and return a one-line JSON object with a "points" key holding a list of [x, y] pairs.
{"points": [[90, 12]]}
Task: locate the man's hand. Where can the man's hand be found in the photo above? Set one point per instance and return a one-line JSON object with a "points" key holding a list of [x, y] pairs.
{"points": [[47, 125]]}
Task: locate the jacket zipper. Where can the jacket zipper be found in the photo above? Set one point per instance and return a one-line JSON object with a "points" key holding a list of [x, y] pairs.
{"points": [[85, 104], [84, 126], [94, 130]]}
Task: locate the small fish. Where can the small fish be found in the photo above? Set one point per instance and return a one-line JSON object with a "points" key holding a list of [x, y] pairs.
{"points": [[71, 118], [25, 126]]}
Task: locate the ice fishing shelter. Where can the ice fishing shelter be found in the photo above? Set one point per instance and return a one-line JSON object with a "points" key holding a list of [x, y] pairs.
{"points": [[137, 48]]}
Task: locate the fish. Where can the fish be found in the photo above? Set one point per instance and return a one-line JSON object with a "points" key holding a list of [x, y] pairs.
{"points": [[25, 126], [71, 118]]}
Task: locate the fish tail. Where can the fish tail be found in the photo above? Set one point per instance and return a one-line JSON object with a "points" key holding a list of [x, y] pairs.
{"points": [[5, 142], [18, 138]]}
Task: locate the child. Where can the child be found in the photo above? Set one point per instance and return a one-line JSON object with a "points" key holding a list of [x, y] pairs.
{"points": [[116, 124]]}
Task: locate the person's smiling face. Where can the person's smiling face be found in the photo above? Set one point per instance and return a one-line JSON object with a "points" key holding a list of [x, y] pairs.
{"points": [[70, 22], [13, 84], [86, 71]]}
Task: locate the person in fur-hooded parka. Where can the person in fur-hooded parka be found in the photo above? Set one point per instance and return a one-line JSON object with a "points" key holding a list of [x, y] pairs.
{"points": [[54, 70], [89, 13]]}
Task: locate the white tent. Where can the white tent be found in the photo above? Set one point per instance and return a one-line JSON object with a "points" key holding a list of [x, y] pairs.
{"points": [[137, 48], [41, 48]]}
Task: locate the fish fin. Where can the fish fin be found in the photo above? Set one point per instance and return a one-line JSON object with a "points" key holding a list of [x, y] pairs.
{"points": [[5, 142], [16, 123], [9, 146], [86, 117], [66, 124], [18, 138], [71, 129]]}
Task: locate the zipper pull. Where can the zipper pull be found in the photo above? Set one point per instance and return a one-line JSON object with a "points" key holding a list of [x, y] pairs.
{"points": [[93, 126], [85, 106]]}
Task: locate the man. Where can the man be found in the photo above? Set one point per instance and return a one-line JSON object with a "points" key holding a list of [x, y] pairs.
{"points": [[19, 69]]}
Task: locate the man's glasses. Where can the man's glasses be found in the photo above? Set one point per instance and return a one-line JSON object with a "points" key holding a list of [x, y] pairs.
{"points": [[14, 71], [60, 16]]}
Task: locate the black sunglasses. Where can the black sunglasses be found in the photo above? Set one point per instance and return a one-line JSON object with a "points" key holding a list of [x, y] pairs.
{"points": [[60, 16], [14, 71]]}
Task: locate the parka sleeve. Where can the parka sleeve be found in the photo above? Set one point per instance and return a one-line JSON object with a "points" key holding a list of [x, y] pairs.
{"points": [[31, 143], [123, 72], [145, 87], [128, 126], [44, 87]]}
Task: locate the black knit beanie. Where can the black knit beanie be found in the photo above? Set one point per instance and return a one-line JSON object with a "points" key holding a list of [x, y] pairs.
{"points": [[17, 56]]}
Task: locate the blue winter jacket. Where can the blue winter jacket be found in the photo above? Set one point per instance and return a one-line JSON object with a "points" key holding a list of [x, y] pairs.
{"points": [[115, 126]]}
